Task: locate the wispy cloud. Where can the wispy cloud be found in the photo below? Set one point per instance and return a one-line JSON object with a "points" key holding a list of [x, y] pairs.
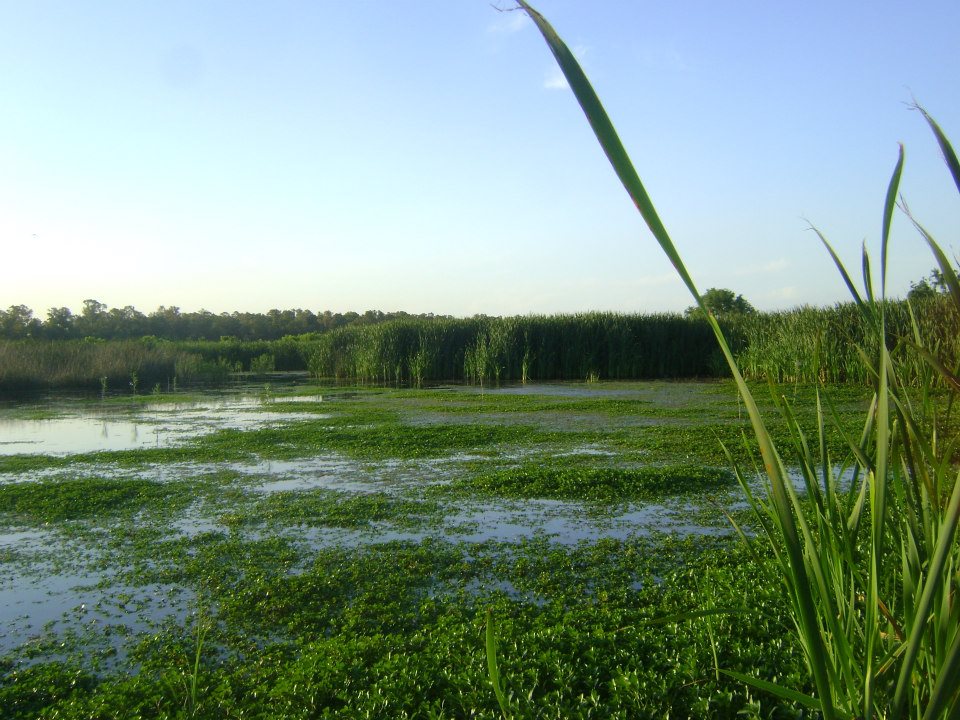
{"points": [[555, 79]]}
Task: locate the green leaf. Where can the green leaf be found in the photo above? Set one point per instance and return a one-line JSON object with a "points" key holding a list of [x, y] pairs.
{"points": [[782, 692], [492, 667], [888, 208], [949, 156]]}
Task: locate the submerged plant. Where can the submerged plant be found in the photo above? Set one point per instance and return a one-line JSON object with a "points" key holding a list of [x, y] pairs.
{"points": [[870, 569]]}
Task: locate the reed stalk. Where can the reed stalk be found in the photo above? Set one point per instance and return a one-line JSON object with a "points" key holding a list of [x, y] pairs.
{"points": [[869, 565]]}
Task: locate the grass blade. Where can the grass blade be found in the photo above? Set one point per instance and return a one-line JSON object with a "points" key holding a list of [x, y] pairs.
{"points": [[888, 208], [781, 692], [783, 502], [949, 156], [492, 667], [864, 308]]}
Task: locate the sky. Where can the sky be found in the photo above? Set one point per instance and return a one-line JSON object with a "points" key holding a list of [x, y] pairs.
{"points": [[427, 156]]}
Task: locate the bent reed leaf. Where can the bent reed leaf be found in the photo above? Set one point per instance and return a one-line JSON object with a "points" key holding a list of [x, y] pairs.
{"points": [[852, 602], [785, 503]]}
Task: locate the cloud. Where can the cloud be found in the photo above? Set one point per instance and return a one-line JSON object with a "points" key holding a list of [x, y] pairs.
{"points": [[555, 79]]}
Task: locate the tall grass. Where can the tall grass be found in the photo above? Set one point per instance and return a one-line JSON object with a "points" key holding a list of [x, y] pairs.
{"points": [[810, 344], [870, 568], [519, 349], [801, 345], [36, 364]]}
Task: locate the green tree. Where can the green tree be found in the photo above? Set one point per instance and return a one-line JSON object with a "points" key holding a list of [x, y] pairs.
{"points": [[59, 323], [929, 286], [721, 301], [18, 322]]}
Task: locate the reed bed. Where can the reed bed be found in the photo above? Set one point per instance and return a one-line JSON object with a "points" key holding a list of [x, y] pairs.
{"points": [[802, 345], [811, 344], [589, 346], [805, 344], [31, 365]]}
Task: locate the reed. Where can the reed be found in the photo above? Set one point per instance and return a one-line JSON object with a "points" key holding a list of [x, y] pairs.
{"points": [[801, 345], [869, 559], [603, 346], [811, 344], [35, 364]]}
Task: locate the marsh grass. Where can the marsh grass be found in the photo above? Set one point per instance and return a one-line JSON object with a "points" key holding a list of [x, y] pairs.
{"points": [[804, 344], [33, 364], [870, 572], [493, 351], [598, 484]]}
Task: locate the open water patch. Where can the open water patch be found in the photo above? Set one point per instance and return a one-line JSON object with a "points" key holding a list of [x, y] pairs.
{"points": [[69, 429]]}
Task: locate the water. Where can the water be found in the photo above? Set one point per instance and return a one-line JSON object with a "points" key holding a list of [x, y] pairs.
{"points": [[56, 585], [100, 427]]}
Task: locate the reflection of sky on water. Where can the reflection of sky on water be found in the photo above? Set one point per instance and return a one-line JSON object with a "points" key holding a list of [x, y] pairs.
{"points": [[154, 425], [41, 599]]}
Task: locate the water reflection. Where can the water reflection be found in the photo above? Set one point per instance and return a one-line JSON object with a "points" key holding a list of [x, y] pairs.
{"points": [[70, 429]]}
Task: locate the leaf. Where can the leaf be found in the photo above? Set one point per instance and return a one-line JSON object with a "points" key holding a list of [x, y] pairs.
{"points": [[492, 668], [783, 692]]}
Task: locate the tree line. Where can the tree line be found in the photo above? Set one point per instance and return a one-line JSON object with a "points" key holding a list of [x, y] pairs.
{"points": [[96, 320]]}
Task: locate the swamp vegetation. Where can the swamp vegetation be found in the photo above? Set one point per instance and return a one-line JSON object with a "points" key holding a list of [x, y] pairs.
{"points": [[339, 559], [805, 344], [880, 637], [535, 550]]}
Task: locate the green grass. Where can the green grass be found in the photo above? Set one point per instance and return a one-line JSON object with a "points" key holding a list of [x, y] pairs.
{"points": [[395, 630], [596, 484]]}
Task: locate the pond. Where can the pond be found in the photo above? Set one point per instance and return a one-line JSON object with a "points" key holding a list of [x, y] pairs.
{"points": [[122, 513]]}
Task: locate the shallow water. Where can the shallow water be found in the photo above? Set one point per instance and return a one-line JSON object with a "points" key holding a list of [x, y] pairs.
{"points": [[41, 600], [101, 427]]}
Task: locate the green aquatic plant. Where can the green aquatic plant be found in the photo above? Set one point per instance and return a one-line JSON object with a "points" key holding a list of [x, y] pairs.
{"points": [[870, 571], [597, 484], [185, 682]]}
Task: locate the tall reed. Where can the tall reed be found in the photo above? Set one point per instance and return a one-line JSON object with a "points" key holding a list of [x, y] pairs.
{"points": [[870, 570], [35, 364], [801, 345], [518, 349]]}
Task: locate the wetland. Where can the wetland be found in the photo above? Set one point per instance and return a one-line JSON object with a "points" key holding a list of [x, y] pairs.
{"points": [[300, 550]]}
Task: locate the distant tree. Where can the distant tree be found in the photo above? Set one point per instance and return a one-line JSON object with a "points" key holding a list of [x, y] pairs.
{"points": [[92, 319], [931, 285], [922, 290], [126, 322], [721, 301], [59, 323], [18, 322]]}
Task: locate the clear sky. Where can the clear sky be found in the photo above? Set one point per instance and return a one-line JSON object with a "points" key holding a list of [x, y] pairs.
{"points": [[425, 155]]}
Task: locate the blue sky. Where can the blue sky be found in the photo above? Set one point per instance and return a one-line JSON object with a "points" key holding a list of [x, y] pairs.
{"points": [[425, 156]]}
